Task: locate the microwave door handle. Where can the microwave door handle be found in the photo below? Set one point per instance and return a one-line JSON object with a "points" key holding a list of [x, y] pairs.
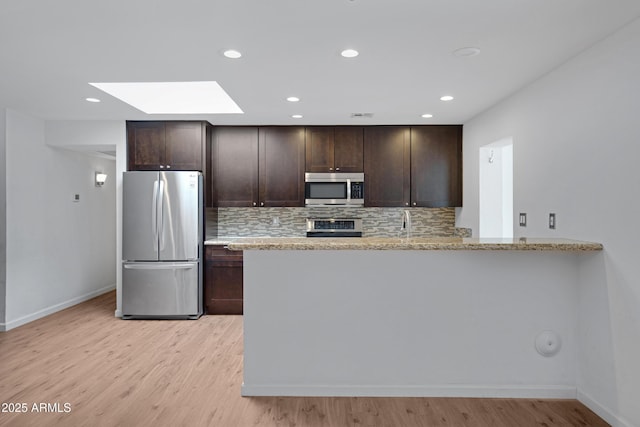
{"points": [[348, 190]]}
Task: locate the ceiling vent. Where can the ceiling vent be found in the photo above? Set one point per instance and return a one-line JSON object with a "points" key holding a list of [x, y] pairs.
{"points": [[361, 115]]}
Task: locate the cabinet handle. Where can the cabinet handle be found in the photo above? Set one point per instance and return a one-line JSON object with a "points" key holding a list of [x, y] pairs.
{"points": [[161, 167], [261, 203], [414, 203], [255, 204], [168, 166], [330, 169], [337, 169], [406, 204]]}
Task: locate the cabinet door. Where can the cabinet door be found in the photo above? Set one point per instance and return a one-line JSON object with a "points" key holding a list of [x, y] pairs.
{"points": [[223, 280], [184, 146], [281, 166], [436, 166], [235, 164], [319, 149], [348, 155], [387, 166], [208, 168], [145, 145]]}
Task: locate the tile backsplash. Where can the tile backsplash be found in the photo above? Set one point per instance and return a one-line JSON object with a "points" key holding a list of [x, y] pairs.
{"points": [[290, 222]]}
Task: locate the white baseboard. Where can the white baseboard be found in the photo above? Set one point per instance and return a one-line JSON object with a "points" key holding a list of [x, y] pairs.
{"points": [[602, 411], [481, 391], [54, 308]]}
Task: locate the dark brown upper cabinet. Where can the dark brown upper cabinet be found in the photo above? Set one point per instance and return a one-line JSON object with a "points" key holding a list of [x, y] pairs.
{"points": [[334, 149], [257, 166], [145, 145], [404, 165], [436, 166], [234, 155], [161, 145], [419, 166], [387, 166], [281, 163]]}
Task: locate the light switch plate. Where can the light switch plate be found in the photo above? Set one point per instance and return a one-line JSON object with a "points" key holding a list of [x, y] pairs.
{"points": [[523, 219], [76, 197], [552, 221]]}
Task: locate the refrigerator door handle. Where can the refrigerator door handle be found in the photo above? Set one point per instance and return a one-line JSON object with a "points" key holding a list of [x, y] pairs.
{"points": [[160, 266], [154, 213], [160, 214]]}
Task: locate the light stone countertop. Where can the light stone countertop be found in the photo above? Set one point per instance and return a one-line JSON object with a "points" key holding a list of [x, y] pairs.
{"points": [[220, 240], [414, 243], [225, 240]]}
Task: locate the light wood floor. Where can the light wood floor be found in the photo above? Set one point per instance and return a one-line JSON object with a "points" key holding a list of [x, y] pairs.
{"points": [[188, 373]]}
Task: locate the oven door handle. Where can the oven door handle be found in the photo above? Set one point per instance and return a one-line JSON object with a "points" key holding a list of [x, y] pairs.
{"points": [[348, 190]]}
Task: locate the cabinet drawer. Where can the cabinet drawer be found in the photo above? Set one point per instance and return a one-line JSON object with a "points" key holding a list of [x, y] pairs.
{"points": [[218, 253]]}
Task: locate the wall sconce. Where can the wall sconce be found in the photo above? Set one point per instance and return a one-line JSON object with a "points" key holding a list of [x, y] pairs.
{"points": [[100, 179]]}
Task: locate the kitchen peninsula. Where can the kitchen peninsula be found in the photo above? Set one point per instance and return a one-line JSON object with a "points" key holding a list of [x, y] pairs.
{"points": [[411, 317]]}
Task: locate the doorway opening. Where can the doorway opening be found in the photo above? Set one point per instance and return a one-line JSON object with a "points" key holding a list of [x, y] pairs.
{"points": [[496, 189]]}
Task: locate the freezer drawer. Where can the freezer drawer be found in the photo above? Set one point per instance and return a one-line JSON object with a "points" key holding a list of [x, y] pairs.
{"points": [[162, 290]]}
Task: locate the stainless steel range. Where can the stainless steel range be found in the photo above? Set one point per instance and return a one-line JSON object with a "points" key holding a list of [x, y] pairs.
{"points": [[334, 227]]}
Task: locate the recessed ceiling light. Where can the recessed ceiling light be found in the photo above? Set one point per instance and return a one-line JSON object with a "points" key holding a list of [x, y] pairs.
{"points": [[427, 116], [349, 53], [466, 51], [297, 116], [92, 99], [173, 97], [231, 53], [446, 98], [293, 99]]}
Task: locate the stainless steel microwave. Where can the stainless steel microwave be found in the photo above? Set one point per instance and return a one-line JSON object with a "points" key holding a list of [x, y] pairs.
{"points": [[334, 189]]}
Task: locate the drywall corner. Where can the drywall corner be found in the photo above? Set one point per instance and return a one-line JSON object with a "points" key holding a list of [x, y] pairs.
{"points": [[3, 218]]}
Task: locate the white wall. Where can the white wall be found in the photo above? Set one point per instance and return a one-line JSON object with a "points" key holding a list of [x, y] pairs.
{"points": [[86, 135], [58, 252], [94, 135], [3, 217], [409, 323], [496, 190], [576, 149], [506, 153]]}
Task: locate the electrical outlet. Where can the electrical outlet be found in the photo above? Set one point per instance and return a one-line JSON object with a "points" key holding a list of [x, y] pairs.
{"points": [[76, 198], [523, 219], [552, 221]]}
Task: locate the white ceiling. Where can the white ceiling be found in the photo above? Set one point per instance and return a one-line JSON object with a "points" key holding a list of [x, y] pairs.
{"points": [[51, 50]]}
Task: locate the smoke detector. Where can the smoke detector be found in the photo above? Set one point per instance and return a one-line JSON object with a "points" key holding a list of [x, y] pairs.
{"points": [[361, 115]]}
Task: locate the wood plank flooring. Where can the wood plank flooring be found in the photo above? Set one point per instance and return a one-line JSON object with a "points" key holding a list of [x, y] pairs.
{"points": [[188, 373]]}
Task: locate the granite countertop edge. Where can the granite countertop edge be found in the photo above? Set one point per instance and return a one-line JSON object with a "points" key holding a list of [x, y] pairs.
{"points": [[414, 243]]}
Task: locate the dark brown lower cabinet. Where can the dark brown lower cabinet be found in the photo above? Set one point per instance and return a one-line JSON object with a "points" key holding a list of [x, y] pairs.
{"points": [[222, 280]]}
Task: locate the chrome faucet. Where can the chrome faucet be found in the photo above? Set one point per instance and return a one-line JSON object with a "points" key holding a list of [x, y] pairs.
{"points": [[406, 223]]}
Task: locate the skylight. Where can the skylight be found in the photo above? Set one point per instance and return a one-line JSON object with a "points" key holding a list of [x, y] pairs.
{"points": [[173, 97]]}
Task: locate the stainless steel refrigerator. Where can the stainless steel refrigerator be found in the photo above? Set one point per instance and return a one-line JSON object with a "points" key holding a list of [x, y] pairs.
{"points": [[162, 245]]}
